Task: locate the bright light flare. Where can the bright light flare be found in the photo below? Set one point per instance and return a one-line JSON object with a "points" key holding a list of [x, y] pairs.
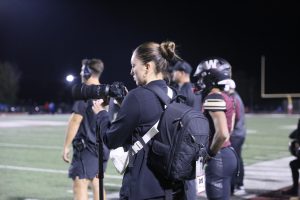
{"points": [[70, 78]]}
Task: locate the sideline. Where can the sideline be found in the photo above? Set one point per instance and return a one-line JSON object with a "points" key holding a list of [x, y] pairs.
{"points": [[260, 177]]}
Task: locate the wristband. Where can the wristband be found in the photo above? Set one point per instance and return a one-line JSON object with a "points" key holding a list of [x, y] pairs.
{"points": [[210, 153]]}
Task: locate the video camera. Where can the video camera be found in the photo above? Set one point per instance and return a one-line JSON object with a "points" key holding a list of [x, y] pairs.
{"points": [[116, 90]]}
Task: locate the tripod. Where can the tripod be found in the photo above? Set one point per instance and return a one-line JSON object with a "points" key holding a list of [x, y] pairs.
{"points": [[100, 163]]}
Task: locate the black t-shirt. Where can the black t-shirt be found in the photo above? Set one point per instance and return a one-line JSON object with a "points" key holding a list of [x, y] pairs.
{"points": [[192, 99], [87, 129]]}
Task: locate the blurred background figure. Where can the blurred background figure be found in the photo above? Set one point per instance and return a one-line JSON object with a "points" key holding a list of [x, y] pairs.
{"points": [[81, 133], [294, 164], [181, 72], [237, 137], [180, 75], [289, 104], [51, 107]]}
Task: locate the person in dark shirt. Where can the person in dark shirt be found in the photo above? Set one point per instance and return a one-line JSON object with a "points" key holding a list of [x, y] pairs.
{"points": [[81, 132], [294, 164], [139, 111], [212, 75], [181, 72]]}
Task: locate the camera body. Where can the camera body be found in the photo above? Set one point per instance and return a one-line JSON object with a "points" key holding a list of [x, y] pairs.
{"points": [[79, 144], [116, 90]]}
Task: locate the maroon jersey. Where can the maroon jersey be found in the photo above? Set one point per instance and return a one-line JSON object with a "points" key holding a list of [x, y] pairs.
{"points": [[220, 102]]}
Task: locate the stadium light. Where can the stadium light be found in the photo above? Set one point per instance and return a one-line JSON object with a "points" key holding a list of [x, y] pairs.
{"points": [[70, 78]]}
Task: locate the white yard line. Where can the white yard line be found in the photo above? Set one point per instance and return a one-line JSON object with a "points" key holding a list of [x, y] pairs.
{"points": [[282, 148], [20, 168], [113, 195], [29, 146], [24, 123]]}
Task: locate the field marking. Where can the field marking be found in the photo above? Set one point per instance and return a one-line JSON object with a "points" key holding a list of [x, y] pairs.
{"points": [[113, 195], [20, 168], [29, 146], [283, 148], [268, 115], [26, 123], [288, 127], [284, 127], [251, 131]]}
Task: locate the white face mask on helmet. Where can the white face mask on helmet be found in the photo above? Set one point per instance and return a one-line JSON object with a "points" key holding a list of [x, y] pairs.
{"points": [[229, 84]]}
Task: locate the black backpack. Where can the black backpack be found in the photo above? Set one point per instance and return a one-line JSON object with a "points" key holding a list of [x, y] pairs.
{"points": [[183, 137]]}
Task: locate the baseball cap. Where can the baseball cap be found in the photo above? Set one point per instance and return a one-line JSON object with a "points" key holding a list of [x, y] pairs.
{"points": [[183, 66]]}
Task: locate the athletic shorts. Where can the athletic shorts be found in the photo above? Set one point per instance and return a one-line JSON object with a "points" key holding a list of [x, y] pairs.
{"points": [[84, 165]]}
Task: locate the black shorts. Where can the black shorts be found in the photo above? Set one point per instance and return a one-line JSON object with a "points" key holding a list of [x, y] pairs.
{"points": [[84, 165]]}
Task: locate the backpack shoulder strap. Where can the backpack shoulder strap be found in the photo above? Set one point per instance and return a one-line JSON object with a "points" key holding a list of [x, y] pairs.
{"points": [[163, 97]]}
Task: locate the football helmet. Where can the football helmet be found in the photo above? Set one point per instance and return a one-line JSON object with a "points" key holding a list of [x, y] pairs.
{"points": [[213, 72]]}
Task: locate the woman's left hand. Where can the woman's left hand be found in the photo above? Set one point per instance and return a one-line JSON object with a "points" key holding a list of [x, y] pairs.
{"points": [[98, 105]]}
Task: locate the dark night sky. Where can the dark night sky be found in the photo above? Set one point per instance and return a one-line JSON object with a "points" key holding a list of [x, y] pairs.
{"points": [[47, 40]]}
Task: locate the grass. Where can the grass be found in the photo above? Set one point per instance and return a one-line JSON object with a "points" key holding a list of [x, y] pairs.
{"points": [[267, 137], [30, 156]]}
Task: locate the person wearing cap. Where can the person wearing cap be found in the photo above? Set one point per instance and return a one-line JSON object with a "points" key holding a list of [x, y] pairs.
{"points": [[181, 72], [294, 164]]}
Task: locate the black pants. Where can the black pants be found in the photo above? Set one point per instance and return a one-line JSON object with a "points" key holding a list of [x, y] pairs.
{"points": [[237, 144], [295, 165]]}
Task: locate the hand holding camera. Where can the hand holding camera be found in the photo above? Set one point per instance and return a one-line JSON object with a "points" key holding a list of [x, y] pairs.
{"points": [[118, 91], [98, 106]]}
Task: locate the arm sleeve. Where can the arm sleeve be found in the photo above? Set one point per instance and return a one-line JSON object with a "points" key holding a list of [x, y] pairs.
{"points": [[79, 107], [214, 102], [116, 134]]}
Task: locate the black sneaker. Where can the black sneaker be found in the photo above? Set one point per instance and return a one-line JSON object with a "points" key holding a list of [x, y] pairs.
{"points": [[291, 192]]}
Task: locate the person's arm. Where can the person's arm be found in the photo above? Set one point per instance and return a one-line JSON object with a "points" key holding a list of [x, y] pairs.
{"points": [[117, 133], [221, 131], [215, 104], [73, 126]]}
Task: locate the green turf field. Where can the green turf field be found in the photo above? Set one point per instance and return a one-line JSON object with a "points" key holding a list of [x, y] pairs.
{"points": [[30, 153]]}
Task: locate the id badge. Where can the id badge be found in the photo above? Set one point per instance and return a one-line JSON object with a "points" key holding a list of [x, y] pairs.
{"points": [[200, 176]]}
